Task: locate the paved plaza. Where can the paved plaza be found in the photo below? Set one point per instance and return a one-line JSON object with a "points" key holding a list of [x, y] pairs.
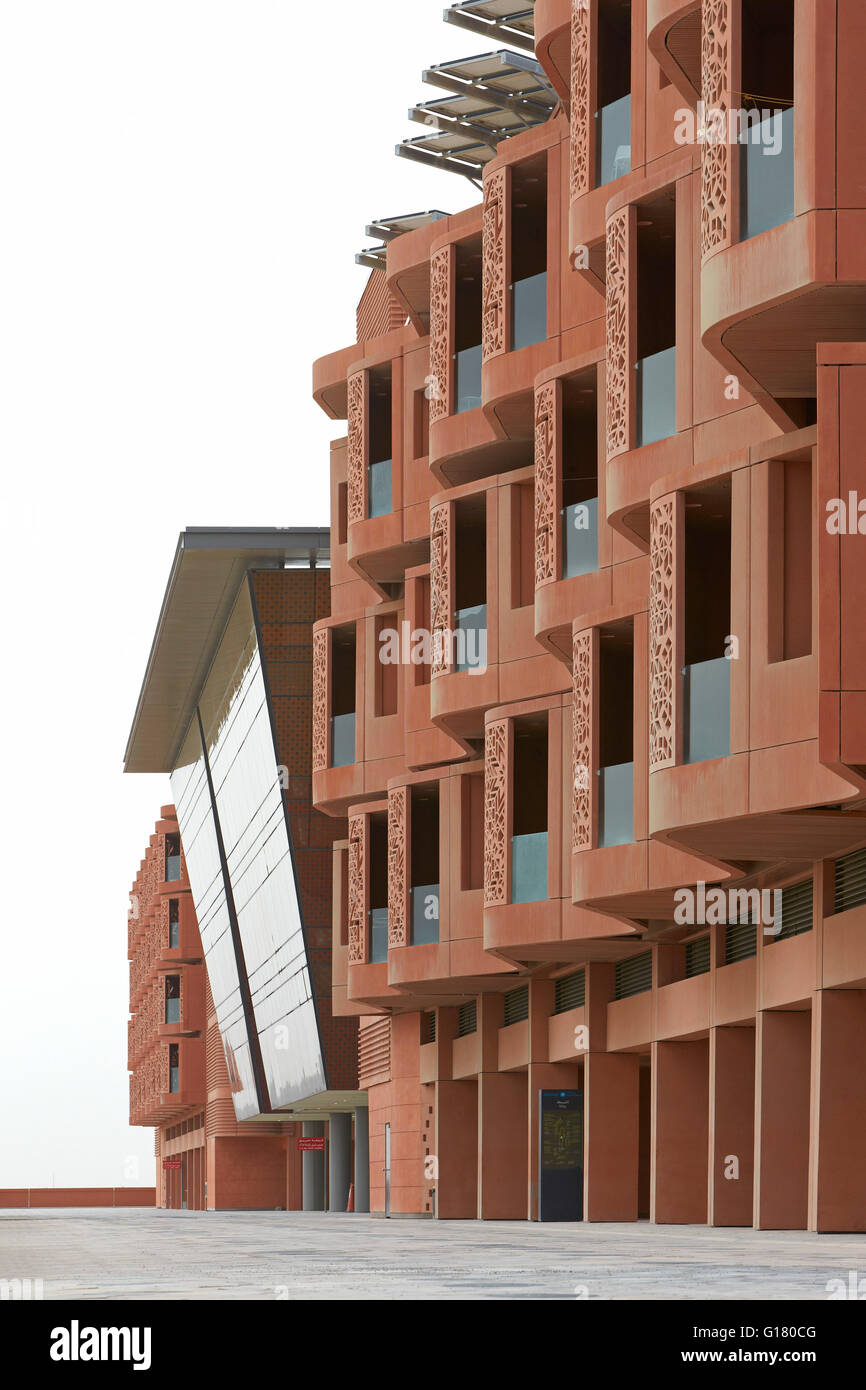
{"points": [[138, 1254]]}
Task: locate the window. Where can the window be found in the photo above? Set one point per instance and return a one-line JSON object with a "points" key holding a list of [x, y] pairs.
{"points": [[387, 678], [172, 858], [529, 253], [707, 600], [172, 999], [789, 560], [616, 730], [613, 116], [173, 923], [378, 830], [529, 831], [424, 855], [342, 696], [173, 1068], [381, 446]]}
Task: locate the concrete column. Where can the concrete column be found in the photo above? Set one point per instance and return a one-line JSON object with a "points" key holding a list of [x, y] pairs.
{"points": [[314, 1169], [339, 1161], [457, 1150], [612, 1136], [502, 1146], [732, 1126], [362, 1159], [838, 1149], [681, 1130], [782, 1087]]}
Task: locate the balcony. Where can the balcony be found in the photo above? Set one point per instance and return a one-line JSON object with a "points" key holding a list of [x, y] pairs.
{"points": [[342, 740], [379, 485], [767, 174], [613, 136], [529, 311], [378, 935], [707, 710], [529, 868], [471, 638], [656, 397], [580, 538], [467, 379], [616, 805], [425, 914]]}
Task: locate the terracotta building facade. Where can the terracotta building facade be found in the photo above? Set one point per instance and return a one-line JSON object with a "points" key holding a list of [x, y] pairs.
{"points": [[589, 704]]}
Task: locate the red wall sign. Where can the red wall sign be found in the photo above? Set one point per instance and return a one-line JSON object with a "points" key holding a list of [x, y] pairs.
{"points": [[171, 1163], [314, 1145]]}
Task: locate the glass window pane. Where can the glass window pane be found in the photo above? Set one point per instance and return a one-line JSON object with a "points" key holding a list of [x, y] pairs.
{"points": [[767, 173], [467, 379], [529, 868], [529, 311], [580, 538], [425, 914], [614, 140], [471, 638], [656, 402], [707, 699], [381, 502], [378, 935], [616, 805], [342, 740]]}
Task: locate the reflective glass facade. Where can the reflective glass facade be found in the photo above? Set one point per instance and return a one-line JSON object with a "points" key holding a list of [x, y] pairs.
{"points": [[263, 912]]}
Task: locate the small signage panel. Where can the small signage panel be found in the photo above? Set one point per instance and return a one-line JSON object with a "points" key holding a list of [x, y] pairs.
{"points": [[314, 1145], [171, 1162], [560, 1156]]}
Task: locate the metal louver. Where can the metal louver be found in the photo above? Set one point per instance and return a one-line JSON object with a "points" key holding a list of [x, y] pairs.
{"points": [[849, 889], [516, 1005], [634, 976], [570, 992], [741, 940], [796, 910], [467, 1019], [698, 957]]}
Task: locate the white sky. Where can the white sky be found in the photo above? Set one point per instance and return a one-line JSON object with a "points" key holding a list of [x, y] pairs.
{"points": [[184, 185]]}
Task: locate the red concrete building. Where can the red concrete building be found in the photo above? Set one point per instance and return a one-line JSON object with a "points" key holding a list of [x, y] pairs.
{"points": [[591, 694]]}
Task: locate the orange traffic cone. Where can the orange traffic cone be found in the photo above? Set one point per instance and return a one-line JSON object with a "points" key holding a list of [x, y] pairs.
{"points": [[350, 1205]]}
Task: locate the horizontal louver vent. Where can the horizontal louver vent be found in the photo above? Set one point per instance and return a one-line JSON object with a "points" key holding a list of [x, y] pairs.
{"points": [[741, 941], [428, 1026], [697, 957], [796, 911], [467, 1019], [850, 881], [374, 1050], [516, 1005], [634, 976], [570, 992]]}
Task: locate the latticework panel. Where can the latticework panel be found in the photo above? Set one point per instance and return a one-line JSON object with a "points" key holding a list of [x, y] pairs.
{"points": [[441, 310], [320, 700], [582, 760], [716, 56], [357, 905], [496, 829], [440, 586], [582, 115], [398, 867], [547, 490], [494, 271], [663, 635], [358, 447], [619, 350]]}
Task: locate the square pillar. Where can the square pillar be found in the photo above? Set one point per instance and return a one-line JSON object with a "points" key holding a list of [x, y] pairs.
{"points": [[680, 1107], [837, 1161], [782, 1090], [612, 1136], [502, 1146], [457, 1150], [732, 1126]]}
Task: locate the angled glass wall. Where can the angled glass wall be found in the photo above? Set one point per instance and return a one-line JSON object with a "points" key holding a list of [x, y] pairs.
{"points": [[250, 813]]}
